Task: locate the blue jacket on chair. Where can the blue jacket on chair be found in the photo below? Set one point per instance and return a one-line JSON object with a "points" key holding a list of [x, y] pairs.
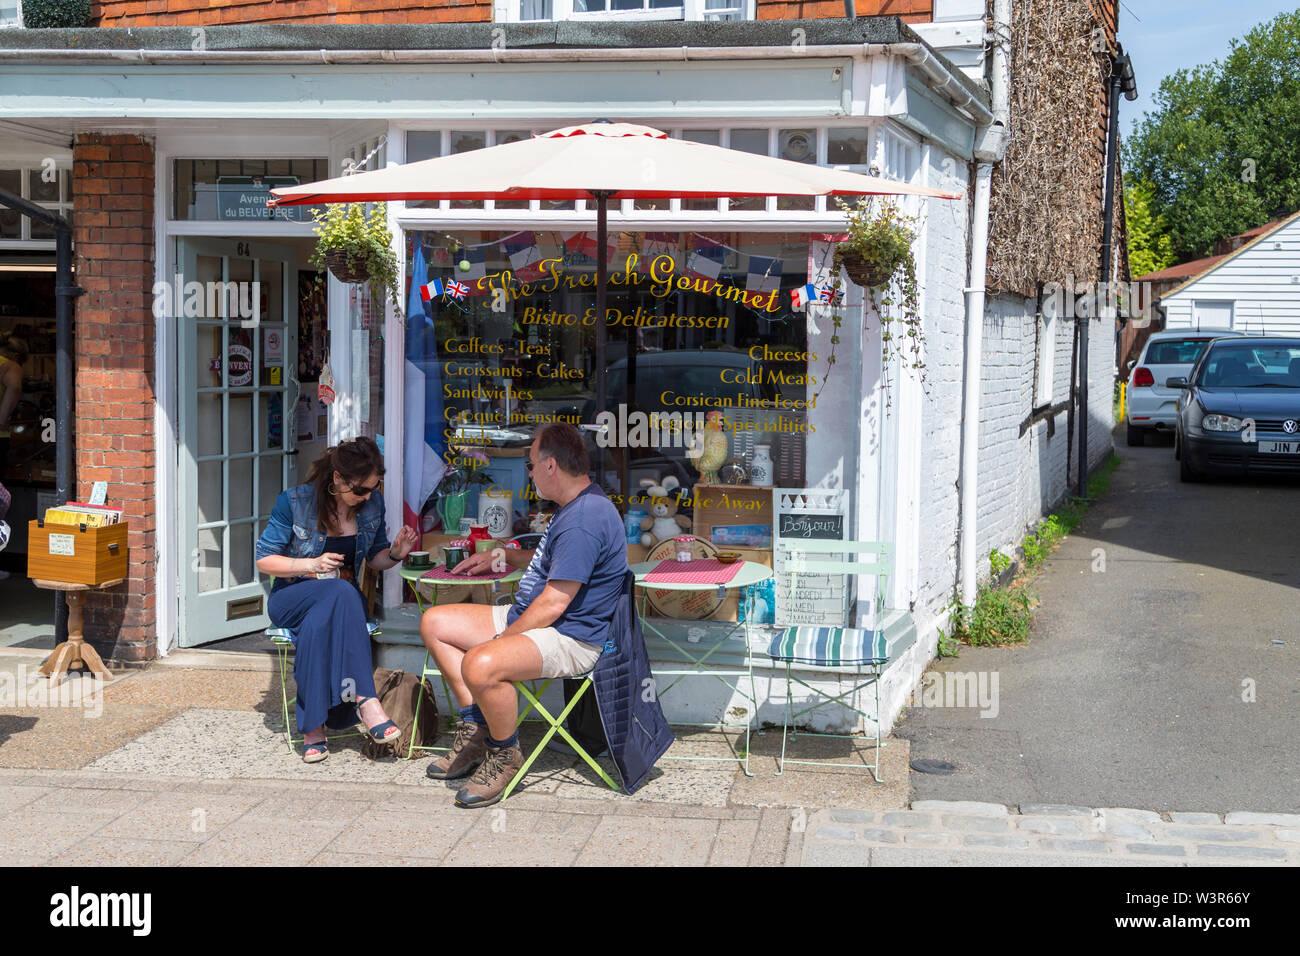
{"points": [[635, 726]]}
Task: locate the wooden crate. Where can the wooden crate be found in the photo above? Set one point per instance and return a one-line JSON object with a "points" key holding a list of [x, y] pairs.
{"points": [[729, 505], [76, 554]]}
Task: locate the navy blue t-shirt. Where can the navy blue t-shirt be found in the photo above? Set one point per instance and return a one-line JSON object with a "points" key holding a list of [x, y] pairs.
{"points": [[584, 542]]}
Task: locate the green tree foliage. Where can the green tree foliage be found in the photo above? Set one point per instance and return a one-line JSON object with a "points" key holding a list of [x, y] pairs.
{"points": [[1222, 150], [1149, 245]]}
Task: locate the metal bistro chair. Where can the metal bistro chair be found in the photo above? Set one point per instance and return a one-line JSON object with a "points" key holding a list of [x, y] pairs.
{"points": [[283, 638], [834, 646]]}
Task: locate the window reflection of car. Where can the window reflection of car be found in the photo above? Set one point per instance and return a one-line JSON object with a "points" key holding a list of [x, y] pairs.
{"points": [[686, 382], [1239, 409]]}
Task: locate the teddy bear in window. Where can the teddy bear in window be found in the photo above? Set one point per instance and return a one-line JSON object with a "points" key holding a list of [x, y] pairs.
{"points": [[664, 523]]}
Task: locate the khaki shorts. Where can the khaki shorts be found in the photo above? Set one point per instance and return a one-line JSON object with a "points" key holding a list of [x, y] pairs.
{"points": [[561, 656]]}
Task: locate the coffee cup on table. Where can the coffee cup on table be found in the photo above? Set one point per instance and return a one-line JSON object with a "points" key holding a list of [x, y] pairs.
{"points": [[417, 559]]}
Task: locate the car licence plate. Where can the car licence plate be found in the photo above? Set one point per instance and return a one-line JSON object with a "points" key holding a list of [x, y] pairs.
{"points": [[1279, 448]]}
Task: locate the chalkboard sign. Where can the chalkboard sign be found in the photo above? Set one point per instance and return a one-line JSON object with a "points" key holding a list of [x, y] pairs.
{"points": [[805, 514], [824, 527]]}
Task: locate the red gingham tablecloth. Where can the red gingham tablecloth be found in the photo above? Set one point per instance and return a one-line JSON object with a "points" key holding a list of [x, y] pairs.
{"points": [[442, 574], [699, 571]]}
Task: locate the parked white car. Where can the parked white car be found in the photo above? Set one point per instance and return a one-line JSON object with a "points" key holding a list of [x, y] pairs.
{"points": [[1151, 405]]}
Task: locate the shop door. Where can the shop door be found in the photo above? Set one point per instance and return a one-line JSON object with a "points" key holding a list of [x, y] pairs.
{"points": [[238, 355]]}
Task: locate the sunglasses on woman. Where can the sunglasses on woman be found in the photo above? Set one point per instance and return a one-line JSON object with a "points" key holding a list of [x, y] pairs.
{"points": [[363, 491]]}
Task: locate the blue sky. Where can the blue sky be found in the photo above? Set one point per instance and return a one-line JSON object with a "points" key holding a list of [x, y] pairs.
{"points": [[1162, 36]]}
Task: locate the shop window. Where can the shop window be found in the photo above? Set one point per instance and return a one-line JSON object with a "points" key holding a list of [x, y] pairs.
{"points": [[237, 190], [714, 328], [47, 186]]}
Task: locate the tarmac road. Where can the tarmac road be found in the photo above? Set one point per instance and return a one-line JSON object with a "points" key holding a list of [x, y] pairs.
{"points": [[1155, 683]]}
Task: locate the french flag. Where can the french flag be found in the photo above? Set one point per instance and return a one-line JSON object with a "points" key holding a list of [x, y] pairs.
{"points": [[525, 257], [424, 445], [433, 290], [584, 243], [706, 261], [764, 274], [800, 296]]}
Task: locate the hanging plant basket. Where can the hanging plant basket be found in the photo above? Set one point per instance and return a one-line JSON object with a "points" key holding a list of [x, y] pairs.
{"points": [[345, 268], [865, 272]]}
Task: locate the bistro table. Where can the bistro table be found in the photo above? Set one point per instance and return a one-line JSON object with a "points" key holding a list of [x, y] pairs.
{"points": [[749, 572], [415, 577]]}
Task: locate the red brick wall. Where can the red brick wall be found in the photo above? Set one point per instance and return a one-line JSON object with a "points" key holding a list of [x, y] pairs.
{"points": [[912, 11], [113, 193], [156, 13]]}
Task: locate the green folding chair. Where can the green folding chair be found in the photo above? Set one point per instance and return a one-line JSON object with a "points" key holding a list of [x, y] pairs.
{"points": [[556, 725], [283, 638], [829, 646]]}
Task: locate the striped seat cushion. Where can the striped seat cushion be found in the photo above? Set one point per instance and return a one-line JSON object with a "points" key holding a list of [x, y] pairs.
{"points": [[810, 644]]}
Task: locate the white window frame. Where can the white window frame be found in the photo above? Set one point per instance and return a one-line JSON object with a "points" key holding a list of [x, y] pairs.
{"points": [[17, 22], [62, 207], [509, 11], [1046, 357]]}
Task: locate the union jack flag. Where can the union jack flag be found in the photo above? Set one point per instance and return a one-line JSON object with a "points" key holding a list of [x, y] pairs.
{"points": [[828, 294], [457, 290]]}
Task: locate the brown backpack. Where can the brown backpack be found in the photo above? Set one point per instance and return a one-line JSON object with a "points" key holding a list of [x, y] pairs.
{"points": [[399, 692]]}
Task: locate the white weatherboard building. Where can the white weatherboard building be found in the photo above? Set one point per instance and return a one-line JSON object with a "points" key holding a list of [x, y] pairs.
{"points": [[1254, 289], [263, 103]]}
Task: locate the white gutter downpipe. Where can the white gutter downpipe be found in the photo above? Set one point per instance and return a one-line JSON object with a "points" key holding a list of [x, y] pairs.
{"points": [[990, 149], [979, 245]]}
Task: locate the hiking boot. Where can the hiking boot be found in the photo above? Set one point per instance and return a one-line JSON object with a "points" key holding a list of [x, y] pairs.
{"points": [[467, 749], [498, 768]]}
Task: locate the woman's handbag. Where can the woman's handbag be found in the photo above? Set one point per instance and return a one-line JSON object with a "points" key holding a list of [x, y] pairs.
{"points": [[399, 693]]}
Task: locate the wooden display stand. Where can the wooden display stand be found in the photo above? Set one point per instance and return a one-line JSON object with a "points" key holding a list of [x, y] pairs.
{"points": [[74, 652], [75, 559]]}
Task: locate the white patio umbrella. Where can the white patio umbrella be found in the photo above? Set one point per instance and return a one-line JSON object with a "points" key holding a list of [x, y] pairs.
{"points": [[602, 161]]}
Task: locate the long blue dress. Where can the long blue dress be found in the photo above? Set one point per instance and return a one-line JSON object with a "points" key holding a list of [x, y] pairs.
{"points": [[332, 665]]}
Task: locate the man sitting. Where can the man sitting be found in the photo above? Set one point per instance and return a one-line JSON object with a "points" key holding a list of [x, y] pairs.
{"points": [[557, 626]]}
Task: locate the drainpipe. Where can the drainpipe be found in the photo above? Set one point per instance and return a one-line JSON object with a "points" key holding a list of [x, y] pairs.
{"points": [[990, 148], [849, 10]]}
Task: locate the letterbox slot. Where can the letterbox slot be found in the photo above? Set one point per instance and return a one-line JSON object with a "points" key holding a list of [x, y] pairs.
{"points": [[248, 607]]}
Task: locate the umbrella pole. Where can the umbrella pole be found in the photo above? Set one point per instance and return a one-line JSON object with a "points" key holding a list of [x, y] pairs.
{"points": [[602, 231]]}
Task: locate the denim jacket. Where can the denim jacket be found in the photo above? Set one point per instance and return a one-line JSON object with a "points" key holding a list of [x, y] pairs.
{"points": [[294, 530]]}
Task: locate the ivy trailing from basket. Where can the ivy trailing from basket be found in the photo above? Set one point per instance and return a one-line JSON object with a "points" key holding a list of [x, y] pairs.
{"points": [[357, 247], [878, 256]]}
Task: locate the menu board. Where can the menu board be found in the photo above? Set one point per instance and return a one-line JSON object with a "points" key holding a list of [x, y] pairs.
{"points": [[804, 514]]}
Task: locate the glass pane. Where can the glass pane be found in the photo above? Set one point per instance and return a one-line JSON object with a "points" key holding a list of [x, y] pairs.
{"points": [[242, 570], [241, 488], [209, 352], [423, 144], [40, 230], [241, 424], [662, 4], [710, 137], [535, 9], [270, 420], [11, 222], [845, 147], [464, 142], [269, 471], [797, 145], [43, 186], [627, 5], [210, 487], [271, 276], [750, 141], [588, 6], [210, 424], [236, 190], [209, 560], [796, 202]]}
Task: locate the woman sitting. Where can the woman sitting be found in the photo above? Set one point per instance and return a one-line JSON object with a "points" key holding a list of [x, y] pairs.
{"points": [[318, 535]]}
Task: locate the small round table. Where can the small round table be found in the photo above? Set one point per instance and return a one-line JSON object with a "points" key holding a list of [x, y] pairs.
{"points": [[415, 578], [750, 572], [74, 652]]}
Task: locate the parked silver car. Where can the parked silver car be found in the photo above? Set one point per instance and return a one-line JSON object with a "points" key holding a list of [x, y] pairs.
{"points": [[1151, 405]]}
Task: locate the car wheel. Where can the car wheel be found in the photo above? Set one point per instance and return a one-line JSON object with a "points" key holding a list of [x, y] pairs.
{"points": [[1178, 451], [1186, 473], [1136, 436]]}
